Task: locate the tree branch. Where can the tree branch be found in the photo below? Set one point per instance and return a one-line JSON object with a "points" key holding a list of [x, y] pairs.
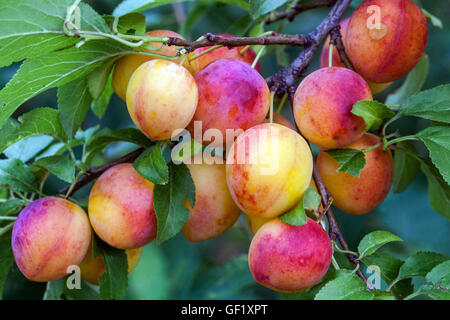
{"points": [[94, 172], [336, 40], [284, 81], [212, 39], [334, 230], [297, 9]]}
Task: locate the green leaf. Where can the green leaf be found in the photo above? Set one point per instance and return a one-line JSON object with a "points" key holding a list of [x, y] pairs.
{"points": [[30, 29], [114, 282], [26, 149], [55, 69], [10, 207], [260, 7], [419, 264], [59, 165], [389, 267], [372, 112], [351, 161], [257, 30], [240, 26], [169, 201], [437, 282], [347, 286], [381, 295], [311, 199], [437, 140], [374, 241], [58, 290], [128, 6], [74, 100], [131, 23], [196, 12], [406, 167], [17, 175], [438, 190], [87, 292], [413, 83], [435, 21], [55, 290], [98, 78], [100, 105], [6, 258], [295, 217], [101, 140], [432, 104], [152, 166], [41, 121]]}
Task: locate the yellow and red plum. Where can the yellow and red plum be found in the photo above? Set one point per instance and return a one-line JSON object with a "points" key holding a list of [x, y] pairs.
{"points": [[93, 268], [214, 211], [336, 60], [290, 258], [391, 51], [49, 235], [323, 103], [126, 65], [234, 53], [269, 167], [162, 97], [355, 195], [232, 95], [121, 208]]}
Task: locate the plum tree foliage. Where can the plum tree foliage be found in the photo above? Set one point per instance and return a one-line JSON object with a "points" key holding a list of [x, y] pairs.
{"points": [[168, 82]]}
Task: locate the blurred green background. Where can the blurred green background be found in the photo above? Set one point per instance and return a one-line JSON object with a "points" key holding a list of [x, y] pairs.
{"points": [[218, 269]]}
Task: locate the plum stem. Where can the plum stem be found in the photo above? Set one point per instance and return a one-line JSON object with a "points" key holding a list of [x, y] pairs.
{"points": [[330, 55]]}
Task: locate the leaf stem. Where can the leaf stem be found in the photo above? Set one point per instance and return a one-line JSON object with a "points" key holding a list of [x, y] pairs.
{"points": [[397, 140]]}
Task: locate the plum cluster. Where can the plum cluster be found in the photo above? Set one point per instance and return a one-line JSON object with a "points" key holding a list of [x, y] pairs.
{"points": [[221, 90]]}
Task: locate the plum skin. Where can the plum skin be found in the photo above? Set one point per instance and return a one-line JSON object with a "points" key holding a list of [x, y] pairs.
{"points": [[358, 196], [121, 208], [93, 268], [126, 65], [214, 211], [389, 53], [49, 235], [323, 103], [232, 95], [336, 59], [273, 174], [162, 97], [290, 258]]}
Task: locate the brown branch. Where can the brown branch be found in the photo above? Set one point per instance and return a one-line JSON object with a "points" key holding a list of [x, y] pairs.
{"points": [[297, 9], [94, 172], [334, 230], [284, 81], [212, 39], [336, 40]]}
